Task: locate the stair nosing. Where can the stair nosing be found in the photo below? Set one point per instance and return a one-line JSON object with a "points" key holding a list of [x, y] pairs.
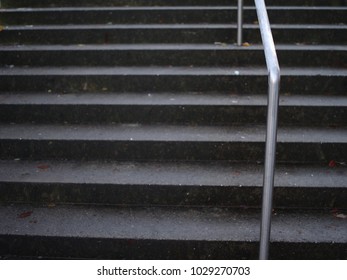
{"points": [[167, 26], [166, 8], [175, 47]]}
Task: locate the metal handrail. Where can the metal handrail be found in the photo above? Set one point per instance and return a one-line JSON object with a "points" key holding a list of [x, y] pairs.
{"points": [[271, 131], [239, 21]]}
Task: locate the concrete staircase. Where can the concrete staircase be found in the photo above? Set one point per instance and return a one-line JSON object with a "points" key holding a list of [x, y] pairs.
{"points": [[135, 129]]}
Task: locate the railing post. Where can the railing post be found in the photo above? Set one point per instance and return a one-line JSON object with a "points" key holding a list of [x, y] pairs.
{"points": [[239, 22]]}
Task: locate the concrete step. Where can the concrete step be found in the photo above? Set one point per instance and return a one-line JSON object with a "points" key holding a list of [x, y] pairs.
{"points": [[210, 108], [169, 33], [95, 3], [250, 80], [166, 233], [217, 54], [169, 15], [218, 184], [163, 142]]}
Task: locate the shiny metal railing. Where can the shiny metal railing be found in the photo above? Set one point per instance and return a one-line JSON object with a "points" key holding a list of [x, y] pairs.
{"points": [[239, 22], [271, 131]]}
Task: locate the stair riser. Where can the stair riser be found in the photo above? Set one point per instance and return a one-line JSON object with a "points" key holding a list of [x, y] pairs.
{"points": [[331, 85], [134, 57], [150, 195], [163, 35], [168, 16], [174, 114], [68, 3], [169, 150], [242, 57], [101, 248]]}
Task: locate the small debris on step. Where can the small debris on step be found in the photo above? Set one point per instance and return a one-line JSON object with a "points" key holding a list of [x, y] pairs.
{"points": [[341, 216], [43, 166], [25, 215]]}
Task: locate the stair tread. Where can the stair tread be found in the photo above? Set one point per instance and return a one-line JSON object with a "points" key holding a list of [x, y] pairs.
{"points": [[169, 174], [168, 26], [179, 133], [209, 224], [167, 70], [65, 3], [132, 70], [167, 99], [165, 8]]}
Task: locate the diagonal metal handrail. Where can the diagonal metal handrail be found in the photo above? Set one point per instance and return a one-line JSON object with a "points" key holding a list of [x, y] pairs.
{"points": [[271, 131]]}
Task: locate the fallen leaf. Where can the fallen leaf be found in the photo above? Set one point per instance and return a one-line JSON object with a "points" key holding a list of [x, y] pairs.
{"points": [[25, 214], [51, 205], [332, 163], [246, 44], [1, 28], [43, 166]]}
